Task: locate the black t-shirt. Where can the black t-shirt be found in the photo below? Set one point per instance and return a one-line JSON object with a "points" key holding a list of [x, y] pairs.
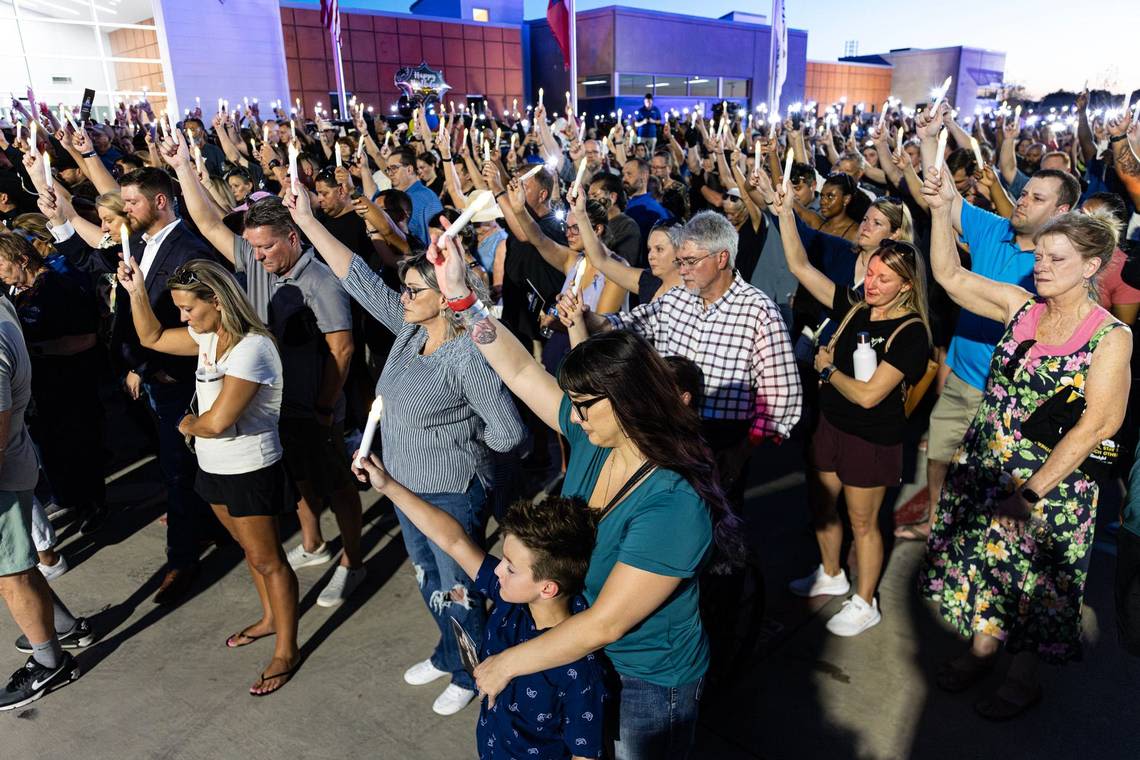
{"points": [[884, 423], [530, 284], [437, 184], [647, 286], [352, 232], [749, 247]]}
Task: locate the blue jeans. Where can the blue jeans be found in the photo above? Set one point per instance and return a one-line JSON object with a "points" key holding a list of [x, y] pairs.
{"points": [[656, 722], [186, 513], [438, 575]]}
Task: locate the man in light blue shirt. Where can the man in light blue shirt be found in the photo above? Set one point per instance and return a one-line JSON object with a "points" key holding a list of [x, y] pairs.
{"points": [[1002, 250], [401, 170]]}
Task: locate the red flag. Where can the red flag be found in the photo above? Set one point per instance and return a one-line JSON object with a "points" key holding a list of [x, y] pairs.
{"points": [[330, 18], [558, 16]]}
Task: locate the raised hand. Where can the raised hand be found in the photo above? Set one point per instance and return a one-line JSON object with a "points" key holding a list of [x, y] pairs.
{"points": [[1118, 126], [450, 269], [370, 471], [131, 276], [299, 205], [938, 190], [571, 310]]}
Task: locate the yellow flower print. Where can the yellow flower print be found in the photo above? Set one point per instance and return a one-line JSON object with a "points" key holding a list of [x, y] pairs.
{"points": [[992, 627], [997, 550]]}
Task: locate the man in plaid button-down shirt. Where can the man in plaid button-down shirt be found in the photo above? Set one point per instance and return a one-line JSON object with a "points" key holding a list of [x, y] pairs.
{"points": [[734, 333]]}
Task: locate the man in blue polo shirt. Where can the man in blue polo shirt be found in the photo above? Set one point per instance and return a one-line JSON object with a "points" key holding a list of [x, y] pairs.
{"points": [[1000, 249], [401, 171], [646, 120]]}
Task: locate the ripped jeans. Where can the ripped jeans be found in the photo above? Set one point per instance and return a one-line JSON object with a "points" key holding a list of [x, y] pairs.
{"points": [[441, 579]]}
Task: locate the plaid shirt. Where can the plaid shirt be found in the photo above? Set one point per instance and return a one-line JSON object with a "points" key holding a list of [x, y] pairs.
{"points": [[741, 344]]}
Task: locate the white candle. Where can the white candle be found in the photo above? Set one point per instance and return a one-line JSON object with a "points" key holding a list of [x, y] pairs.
{"points": [[788, 169], [540, 96], [221, 105], [578, 276], [19, 130], [293, 127], [619, 117], [173, 124], [482, 200], [941, 155], [197, 101], [466, 132], [532, 172], [47, 171], [740, 139], [486, 151], [942, 93], [1017, 115], [33, 148], [883, 115], [125, 239], [977, 152], [198, 159], [902, 132], [568, 108], [758, 156], [336, 155], [265, 133], [693, 119], [582, 130], [293, 183], [374, 415], [581, 175], [514, 140], [298, 104], [498, 137]]}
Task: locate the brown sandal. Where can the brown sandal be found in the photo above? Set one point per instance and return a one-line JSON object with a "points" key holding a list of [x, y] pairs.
{"points": [[962, 672]]}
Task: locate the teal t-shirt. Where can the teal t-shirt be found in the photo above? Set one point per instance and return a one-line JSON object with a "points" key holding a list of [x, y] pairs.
{"points": [[662, 527]]}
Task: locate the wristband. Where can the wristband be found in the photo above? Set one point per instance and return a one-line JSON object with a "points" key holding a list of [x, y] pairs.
{"points": [[500, 194], [473, 315], [1030, 495], [1117, 138], [463, 303], [91, 154]]}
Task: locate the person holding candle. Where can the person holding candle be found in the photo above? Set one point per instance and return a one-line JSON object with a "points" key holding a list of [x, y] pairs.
{"points": [[233, 427], [442, 404], [1008, 556], [856, 447], [638, 460], [161, 243], [309, 315]]}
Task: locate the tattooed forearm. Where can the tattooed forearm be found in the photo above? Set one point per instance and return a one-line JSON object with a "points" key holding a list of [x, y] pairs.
{"points": [[1126, 160], [484, 332]]}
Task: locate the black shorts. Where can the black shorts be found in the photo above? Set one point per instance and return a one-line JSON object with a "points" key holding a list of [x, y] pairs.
{"points": [[266, 492], [856, 461], [316, 455], [1128, 590]]}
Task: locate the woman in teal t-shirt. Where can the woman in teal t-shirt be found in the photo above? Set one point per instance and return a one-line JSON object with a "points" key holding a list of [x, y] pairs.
{"points": [[638, 459]]}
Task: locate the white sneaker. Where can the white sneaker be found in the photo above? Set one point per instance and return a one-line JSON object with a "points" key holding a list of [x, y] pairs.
{"points": [[423, 672], [298, 557], [820, 583], [855, 617], [452, 700], [341, 585], [51, 572]]}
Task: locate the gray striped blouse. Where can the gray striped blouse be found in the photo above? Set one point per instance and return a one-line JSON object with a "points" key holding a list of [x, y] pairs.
{"points": [[442, 412]]}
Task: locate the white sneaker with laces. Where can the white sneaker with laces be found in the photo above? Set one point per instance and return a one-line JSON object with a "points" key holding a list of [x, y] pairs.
{"points": [[341, 586], [855, 617], [452, 700], [423, 673], [51, 572], [298, 557], [820, 583]]}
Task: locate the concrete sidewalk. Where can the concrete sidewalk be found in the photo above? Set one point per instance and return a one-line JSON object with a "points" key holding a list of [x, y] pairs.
{"points": [[163, 685]]}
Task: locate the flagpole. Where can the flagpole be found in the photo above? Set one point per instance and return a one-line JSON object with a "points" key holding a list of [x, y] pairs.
{"points": [[342, 96], [772, 56], [573, 88]]}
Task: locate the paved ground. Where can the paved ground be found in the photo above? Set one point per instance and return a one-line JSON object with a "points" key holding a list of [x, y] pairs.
{"points": [[163, 685]]}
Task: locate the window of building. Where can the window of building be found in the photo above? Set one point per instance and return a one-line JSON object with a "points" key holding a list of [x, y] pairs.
{"points": [[702, 86], [598, 86], [62, 48], [735, 88], [634, 84], [669, 87], [480, 14]]}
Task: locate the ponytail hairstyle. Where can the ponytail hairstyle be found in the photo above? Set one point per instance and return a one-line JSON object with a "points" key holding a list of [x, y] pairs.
{"points": [[646, 400]]}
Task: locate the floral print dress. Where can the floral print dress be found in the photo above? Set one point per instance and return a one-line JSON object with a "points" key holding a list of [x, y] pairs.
{"points": [[1027, 590]]}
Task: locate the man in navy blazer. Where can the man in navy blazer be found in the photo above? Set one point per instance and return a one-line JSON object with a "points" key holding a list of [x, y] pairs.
{"points": [[161, 243]]}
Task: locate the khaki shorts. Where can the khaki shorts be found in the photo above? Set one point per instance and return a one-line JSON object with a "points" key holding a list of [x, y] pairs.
{"points": [[951, 417], [17, 551]]}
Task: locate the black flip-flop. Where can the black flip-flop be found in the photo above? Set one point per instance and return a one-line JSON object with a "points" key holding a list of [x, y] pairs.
{"points": [[286, 674], [245, 635]]}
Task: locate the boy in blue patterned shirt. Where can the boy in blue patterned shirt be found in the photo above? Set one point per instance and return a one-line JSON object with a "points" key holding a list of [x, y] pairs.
{"points": [[556, 713]]}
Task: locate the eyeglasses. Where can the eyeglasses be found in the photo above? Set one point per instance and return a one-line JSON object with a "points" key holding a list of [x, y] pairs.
{"points": [[580, 407], [572, 228], [395, 168], [690, 262], [412, 292]]}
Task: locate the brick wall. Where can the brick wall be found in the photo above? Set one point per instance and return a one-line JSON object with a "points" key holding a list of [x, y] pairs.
{"points": [[477, 59], [138, 43]]}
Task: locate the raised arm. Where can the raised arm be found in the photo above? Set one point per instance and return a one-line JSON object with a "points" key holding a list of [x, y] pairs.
{"points": [[335, 253], [1084, 130], [817, 283], [1127, 164], [91, 164], [176, 340], [556, 255], [205, 213], [596, 253], [512, 362], [1007, 154], [995, 300]]}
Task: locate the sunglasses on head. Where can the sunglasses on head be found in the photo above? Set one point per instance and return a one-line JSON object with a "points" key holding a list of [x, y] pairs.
{"points": [[901, 246]]}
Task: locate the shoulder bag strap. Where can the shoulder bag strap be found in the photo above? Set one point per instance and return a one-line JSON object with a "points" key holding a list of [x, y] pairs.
{"points": [[898, 329], [642, 472], [846, 318]]}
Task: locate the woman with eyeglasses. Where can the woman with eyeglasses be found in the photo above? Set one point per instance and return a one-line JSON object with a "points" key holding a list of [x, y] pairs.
{"points": [[233, 430], [1009, 553], [638, 460], [445, 412], [880, 347]]}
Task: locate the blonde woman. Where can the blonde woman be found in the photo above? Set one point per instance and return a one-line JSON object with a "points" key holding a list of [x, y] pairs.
{"points": [[856, 447], [234, 432]]}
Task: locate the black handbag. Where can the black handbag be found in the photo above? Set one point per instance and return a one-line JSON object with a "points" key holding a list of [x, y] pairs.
{"points": [[1053, 419]]}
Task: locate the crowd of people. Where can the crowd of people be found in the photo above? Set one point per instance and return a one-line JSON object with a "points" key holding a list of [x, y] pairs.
{"points": [[617, 313]]}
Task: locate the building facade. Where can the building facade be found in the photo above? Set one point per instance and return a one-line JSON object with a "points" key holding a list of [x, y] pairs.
{"points": [[829, 82], [977, 83]]}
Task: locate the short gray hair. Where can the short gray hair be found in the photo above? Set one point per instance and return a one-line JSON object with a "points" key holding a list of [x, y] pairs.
{"points": [[712, 232]]}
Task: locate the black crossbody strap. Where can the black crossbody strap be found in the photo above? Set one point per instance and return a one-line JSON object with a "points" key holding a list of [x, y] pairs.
{"points": [[642, 472]]}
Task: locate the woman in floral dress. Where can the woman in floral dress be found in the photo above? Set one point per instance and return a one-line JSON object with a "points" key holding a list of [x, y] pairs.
{"points": [[1008, 557]]}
